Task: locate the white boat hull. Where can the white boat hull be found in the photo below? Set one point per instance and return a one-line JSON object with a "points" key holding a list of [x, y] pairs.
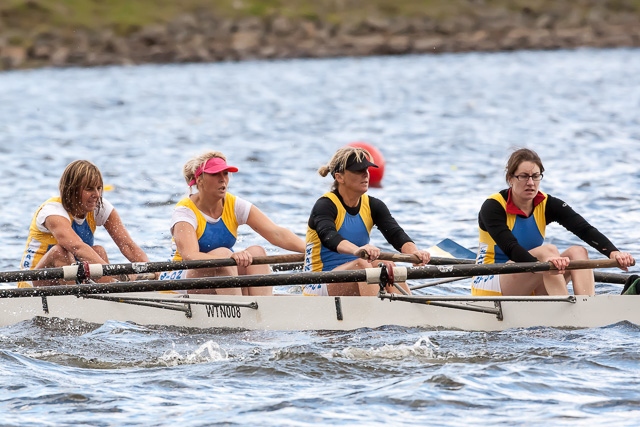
{"points": [[330, 313]]}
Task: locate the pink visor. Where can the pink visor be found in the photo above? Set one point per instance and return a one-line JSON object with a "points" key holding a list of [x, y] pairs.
{"points": [[213, 165]]}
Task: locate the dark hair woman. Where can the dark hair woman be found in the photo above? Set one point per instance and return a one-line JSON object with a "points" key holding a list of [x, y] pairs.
{"points": [[512, 227]]}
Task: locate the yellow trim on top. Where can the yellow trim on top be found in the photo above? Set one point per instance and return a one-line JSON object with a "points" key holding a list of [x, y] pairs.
{"points": [[484, 293]]}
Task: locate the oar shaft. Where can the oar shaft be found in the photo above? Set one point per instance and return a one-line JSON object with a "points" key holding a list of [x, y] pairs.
{"points": [[197, 283], [140, 267], [28, 275], [606, 277], [507, 268], [600, 276], [153, 267], [370, 275]]}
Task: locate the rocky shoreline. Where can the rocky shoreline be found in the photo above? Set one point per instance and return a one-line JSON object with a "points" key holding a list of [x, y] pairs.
{"points": [[203, 37]]}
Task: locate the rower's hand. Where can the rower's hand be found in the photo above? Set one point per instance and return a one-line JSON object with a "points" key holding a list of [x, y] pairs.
{"points": [[423, 256], [561, 263], [135, 277], [243, 258], [368, 252], [144, 276], [624, 259]]}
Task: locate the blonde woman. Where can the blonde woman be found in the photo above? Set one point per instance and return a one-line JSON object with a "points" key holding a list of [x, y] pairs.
{"points": [[341, 221], [204, 224], [62, 229]]}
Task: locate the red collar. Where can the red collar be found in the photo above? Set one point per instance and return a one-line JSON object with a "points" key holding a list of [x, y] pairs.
{"points": [[513, 209]]}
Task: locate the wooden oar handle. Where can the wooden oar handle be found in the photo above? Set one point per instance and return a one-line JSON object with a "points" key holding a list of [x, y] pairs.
{"points": [[388, 256], [278, 259], [413, 259], [586, 264]]}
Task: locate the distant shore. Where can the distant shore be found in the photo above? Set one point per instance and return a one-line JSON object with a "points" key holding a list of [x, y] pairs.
{"points": [[203, 36]]}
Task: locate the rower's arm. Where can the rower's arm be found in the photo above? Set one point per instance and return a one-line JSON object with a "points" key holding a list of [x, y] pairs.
{"points": [[187, 242], [123, 240], [322, 220], [275, 234], [563, 214], [346, 247], [69, 240], [388, 226]]}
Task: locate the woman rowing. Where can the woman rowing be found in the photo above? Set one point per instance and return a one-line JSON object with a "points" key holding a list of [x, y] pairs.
{"points": [[63, 227], [205, 225], [512, 228], [340, 225]]}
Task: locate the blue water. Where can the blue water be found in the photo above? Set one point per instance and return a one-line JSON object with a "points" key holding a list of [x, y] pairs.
{"points": [[445, 125]]}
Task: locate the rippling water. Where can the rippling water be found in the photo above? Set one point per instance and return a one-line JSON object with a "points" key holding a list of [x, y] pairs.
{"points": [[445, 125]]}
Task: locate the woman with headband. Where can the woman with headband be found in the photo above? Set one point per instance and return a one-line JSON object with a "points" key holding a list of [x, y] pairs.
{"points": [[205, 225]]}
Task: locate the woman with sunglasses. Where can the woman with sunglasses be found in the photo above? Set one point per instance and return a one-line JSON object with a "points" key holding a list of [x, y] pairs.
{"points": [[340, 224], [512, 228]]}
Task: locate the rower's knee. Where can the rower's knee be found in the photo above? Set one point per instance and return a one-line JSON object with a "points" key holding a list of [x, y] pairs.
{"points": [[576, 252], [545, 252], [256, 251], [221, 253]]}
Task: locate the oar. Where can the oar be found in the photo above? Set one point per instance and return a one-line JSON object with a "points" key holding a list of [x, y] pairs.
{"points": [[600, 276], [616, 278], [292, 261], [369, 275], [82, 271], [465, 256]]}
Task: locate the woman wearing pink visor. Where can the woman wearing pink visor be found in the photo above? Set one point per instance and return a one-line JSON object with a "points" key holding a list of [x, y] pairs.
{"points": [[205, 225]]}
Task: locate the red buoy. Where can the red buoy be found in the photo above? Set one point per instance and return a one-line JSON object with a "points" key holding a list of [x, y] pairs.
{"points": [[375, 174]]}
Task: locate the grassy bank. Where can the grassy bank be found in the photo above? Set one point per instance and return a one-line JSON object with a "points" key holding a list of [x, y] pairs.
{"points": [[36, 33], [126, 16]]}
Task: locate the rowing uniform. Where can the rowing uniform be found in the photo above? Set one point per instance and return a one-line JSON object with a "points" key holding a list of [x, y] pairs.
{"points": [[508, 234], [40, 239], [331, 222], [212, 233]]}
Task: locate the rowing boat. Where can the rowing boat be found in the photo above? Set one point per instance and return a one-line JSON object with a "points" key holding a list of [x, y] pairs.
{"points": [[132, 302], [155, 302], [295, 312]]}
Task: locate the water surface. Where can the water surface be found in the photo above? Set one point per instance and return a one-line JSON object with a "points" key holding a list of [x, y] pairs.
{"points": [[445, 124]]}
